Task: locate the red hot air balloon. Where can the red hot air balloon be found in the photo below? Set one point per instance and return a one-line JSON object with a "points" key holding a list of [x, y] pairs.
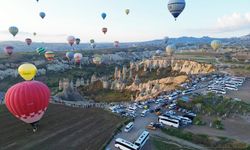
{"points": [[9, 50], [104, 30], [28, 41], [28, 101]]}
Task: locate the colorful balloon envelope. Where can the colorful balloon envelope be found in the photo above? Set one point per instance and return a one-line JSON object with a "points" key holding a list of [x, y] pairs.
{"points": [[71, 40], [28, 100], [176, 7], [41, 50], [9, 50], [97, 59], [78, 57], [13, 30], [104, 30], [170, 49], [104, 15], [127, 11], [216, 45], [27, 71], [78, 41], [92, 41], [49, 55], [28, 41], [116, 44], [70, 55], [42, 15]]}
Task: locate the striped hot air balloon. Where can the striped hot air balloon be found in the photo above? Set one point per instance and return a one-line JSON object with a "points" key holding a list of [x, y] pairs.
{"points": [[41, 50], [49, 55]]}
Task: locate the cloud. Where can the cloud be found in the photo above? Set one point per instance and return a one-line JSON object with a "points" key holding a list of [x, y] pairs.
{"points": [[235, 24], [235, 21]]}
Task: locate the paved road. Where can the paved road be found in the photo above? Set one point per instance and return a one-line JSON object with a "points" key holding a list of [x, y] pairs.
{"points": [[139, 127]]}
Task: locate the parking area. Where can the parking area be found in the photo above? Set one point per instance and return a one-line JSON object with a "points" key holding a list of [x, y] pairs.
{"points": [[163, 111], [242, 93]]}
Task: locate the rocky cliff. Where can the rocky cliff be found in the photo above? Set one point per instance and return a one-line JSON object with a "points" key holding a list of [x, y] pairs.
{"points": [[192, 67], [153, 88]]}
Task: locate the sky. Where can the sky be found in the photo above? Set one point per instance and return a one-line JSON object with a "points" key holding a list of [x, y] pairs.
{"points": [[148, 19]]}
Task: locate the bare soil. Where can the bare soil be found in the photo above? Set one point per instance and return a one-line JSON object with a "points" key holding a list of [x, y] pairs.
{"points": [[62, 127]]}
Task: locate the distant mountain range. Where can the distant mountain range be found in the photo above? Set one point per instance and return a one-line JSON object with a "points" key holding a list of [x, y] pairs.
{"points": [[184, 41]]}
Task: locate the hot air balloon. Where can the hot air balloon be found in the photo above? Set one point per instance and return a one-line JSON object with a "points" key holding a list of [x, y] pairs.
{"points": [[92, 41], [49, 55], [41, 50], [42, 15], [37, 0], [28, 101], [104, 30], [104, 15], [13, 30], [216, 44], [170, 49], [27, 71], [127, 11], [176, 7], [166, 39], [116, 44], [70, 55], [34, 34], [9, 50], [78, 41], [97, 59], [71, 40], [78, 58], [28, 41]]}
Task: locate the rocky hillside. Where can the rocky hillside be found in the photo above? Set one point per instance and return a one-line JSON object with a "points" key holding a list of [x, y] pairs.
{"points": [[192, 67], [153, 88]]}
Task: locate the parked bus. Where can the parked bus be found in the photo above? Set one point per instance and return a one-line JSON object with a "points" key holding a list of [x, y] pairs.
{"points": [[142, 139], [168, 121], [125, 145], [129, 127]]}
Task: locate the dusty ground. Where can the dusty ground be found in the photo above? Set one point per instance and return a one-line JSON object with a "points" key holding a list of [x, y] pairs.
{"points": [[61, 128], [243, 93], [235, 128]]}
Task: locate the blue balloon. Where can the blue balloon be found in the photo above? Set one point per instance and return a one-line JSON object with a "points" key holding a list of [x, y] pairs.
{"points": [[42, 15], [104, 15], [176, 7]]}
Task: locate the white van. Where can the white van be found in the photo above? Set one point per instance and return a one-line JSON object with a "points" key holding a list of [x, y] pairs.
{"points": [[144, 113], [129, 127]]}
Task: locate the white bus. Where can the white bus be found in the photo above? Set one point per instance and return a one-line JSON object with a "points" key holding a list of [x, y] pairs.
{"points": [[142, 139], [187, 92], [169, 121], [129, 127], [125, 145]]}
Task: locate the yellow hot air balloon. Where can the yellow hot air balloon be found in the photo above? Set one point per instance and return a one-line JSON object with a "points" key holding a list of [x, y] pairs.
{"points": [[27, 71], [216, 45]]}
